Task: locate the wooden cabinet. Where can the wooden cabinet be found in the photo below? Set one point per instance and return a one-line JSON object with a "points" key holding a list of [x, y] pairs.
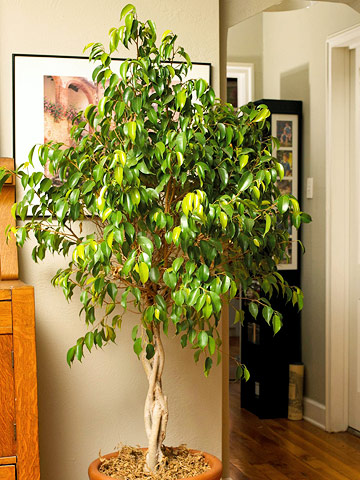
{"points": [[19, 451], [7, 472]]}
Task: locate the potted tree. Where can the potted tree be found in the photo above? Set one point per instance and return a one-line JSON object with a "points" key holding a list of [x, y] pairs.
{"points": [[181, 192]]}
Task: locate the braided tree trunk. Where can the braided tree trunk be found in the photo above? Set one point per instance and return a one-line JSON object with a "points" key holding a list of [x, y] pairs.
{"points": [[156, 407]]}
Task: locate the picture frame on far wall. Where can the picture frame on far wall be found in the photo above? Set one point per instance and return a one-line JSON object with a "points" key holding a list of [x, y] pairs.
{"points": [[48, 92], [285, 128]]}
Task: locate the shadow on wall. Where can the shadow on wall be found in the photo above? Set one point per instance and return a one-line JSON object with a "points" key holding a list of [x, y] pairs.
{"points": [[295, 85]]}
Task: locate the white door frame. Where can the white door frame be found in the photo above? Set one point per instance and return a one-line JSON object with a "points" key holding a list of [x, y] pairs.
{"points": [[337, 227], [244, 73]]}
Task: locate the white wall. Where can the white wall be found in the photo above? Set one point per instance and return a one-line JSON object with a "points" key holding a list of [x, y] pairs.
{"points": [[245, 45], [288, 50], [100, 403]]}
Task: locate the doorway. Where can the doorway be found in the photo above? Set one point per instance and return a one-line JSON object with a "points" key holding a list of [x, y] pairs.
{"points": [[342, 232]]}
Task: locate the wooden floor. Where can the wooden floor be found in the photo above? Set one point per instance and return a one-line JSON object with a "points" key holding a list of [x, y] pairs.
{"points": [[280, 449]]}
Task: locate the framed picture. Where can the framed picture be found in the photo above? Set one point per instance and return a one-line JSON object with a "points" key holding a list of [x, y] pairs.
{"points": [[240, 83], [48, 92], [286, 129]]}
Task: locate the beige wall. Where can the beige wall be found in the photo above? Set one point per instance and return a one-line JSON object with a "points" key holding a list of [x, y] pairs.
{"points": [[100, 403]]}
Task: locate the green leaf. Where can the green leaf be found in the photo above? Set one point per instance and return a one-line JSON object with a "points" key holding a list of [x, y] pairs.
{"points": [[211, 345], [179, 297], [152, 115], [150, 351], [170, 279], [224, 177], [223, 220], [89, 340], [128, 23], [128, 8], [233, 289], [71, 355], [134, 332], [203, 273], [243, 160], [276, 323], [225, 284], [181, 99], [137, 346], [74, 179], [193, 297], [283, 203], [239, 317], [245, 181], [143, 272], [267, 313], [177, 264], [208, 365], [154, 274], [254, 309], [13, 210], [112, 290], [61, 209], [146, 245], [267, 224], [203, 339], [161, 147], [119, 108], [131, 130], [264, 113], [128, 265], [181, 142], [200, 87], [79, 350], [216, 301]]}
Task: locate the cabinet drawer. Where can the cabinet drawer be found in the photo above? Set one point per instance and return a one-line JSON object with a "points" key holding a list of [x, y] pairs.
{"points": [[5, 317], [7, 472], [7, 402]]}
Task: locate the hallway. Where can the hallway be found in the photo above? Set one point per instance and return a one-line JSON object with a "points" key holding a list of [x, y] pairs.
{"points": [[281, 449]]}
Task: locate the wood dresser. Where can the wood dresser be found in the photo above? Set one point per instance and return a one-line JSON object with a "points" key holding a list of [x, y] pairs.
{"points": [[19, 448]]}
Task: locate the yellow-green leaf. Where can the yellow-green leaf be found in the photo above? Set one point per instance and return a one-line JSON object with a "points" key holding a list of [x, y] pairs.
{"points": [[132, 130], [165, 34], [180, 158], [267, 224], [223, 219], [143, 272], [106, 213], [176, 233], [181, 99], [110, 239], [119, 174]]}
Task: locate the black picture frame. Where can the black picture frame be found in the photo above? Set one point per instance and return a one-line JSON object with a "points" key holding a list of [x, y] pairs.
{"points": [[28, 72]]}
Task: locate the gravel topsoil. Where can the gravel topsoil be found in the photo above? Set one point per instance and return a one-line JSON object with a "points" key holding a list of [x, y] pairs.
{"points": [[177, 463]]}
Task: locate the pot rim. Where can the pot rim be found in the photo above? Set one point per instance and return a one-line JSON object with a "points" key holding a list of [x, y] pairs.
{"points": [[214, 462]]}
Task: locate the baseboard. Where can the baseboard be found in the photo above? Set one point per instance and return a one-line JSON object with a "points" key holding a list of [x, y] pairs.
{"points": [[314, 412]]}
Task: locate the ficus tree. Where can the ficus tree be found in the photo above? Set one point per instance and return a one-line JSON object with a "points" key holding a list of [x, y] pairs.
{"points": [[182, 193]]}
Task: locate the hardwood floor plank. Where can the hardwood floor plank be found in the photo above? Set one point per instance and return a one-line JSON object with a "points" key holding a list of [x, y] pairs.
{"points": [[280, 449]]}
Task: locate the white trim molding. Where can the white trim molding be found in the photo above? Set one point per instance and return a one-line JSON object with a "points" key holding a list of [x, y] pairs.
{"points": [[337, 227], [314, 412], [244, 74]]}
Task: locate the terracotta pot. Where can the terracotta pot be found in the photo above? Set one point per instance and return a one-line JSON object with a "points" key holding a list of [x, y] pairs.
{"points": [[213, 474]]}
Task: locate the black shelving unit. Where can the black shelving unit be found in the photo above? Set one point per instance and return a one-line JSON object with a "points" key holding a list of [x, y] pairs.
{"points": [[267, 356]]}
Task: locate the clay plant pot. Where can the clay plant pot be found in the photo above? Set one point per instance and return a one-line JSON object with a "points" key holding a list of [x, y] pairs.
{"points": [[213, 474]]}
